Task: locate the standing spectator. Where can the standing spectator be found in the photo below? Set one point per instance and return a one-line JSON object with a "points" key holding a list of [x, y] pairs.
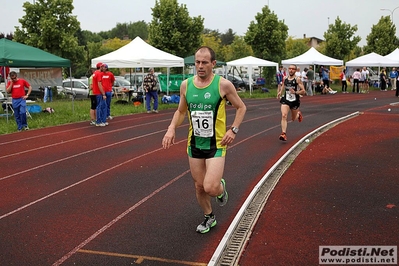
{"points": [[361, 81], [150, 86], [16, 87], [397, 83], [366, 79], [93, 99], [284, 72], [383, 80], [356, 78], [304, 78], [279, 77], [107, 81], [393, 76], [310, 76], [203, 98], [321, 72], [98, 90], [48, 94], [298, 72], [342, 77]]}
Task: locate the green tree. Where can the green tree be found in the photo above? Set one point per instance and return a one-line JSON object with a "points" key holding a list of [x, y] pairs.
{"points": [[130, 30], [49, 25], [267, 36], [227, 38], [213, 42], [238, 49], [8, 36], [382, 39], [295, 47], [214, 33], [173, 30], [91, 36], [340, 39]]}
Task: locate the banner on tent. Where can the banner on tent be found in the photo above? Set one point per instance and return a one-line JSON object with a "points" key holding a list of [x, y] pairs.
{"points": [[42, 77], [174, 81], [335, 71]]}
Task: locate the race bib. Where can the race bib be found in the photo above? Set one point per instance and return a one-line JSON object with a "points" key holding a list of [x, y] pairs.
{"points": [[202, 123], [290, 96]]}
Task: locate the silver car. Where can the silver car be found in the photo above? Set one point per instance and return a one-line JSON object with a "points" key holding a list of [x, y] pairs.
{"points": [[79, 88]]}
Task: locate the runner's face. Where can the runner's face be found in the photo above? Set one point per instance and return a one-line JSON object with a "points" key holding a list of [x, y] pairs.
{"points": [[292, 70], [203, 63]]}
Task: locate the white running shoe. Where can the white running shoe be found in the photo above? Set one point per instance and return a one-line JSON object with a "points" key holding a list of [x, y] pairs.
{"points": [[207, 224]]}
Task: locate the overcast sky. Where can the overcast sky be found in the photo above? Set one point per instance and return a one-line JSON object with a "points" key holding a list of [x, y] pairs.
{"points": [[310, 17]]}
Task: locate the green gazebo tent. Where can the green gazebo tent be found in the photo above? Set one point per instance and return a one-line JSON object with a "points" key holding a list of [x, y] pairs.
{"points": [[14, 54], [18, 55]]}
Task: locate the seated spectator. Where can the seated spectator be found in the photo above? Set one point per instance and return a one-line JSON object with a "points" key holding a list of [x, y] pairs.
{"points": [[324, 89], [328, 90]]}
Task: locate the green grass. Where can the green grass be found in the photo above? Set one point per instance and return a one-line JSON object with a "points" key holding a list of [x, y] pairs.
{"points": [[68, 111]]}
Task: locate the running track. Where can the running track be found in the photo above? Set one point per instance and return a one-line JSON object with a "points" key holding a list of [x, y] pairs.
{"points": [[81, 195]]}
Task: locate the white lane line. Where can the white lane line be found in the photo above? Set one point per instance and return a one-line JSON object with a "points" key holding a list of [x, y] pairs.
{"points": [[77, 183], [93, 236], [70, 140], [82, 153], [107, 170], [88, 151]]}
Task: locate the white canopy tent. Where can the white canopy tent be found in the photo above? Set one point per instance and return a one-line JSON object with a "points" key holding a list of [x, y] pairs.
{"points": [[250, 62], [313, 57], [139, 54], [394, 56], [371, 59]]}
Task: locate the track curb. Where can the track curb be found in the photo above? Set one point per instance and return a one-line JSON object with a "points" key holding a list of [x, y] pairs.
{"points": [[234, 241]]}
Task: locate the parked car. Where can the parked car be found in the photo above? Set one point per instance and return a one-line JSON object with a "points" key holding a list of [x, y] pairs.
{"points": [[238, 82], [79, 88], [121, 84], [136, 79]]}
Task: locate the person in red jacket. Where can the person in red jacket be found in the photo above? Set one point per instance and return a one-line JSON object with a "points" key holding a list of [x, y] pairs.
{"points": [[107, 81], [16, 87], [98, 90]]}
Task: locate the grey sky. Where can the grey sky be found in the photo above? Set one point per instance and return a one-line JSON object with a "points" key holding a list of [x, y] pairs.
{"points": [[310, 17]]}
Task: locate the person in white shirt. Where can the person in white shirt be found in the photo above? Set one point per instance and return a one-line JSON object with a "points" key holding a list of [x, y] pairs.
{"points": [[356, 77], [365, 74], [298, 72], [304, 78]]}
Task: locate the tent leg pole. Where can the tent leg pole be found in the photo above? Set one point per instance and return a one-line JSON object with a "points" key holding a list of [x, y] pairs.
{"points": [[70, 75]]}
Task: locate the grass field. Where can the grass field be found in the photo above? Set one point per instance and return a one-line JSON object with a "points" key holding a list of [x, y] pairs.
{"points": [[68, 111]]}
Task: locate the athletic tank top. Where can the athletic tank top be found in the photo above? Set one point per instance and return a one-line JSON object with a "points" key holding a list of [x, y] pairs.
{"points": [[290, 84], [207, 115]]}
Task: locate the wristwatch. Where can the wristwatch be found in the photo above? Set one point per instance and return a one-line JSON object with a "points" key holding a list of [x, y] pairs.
{"points": [[234, 129]]}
